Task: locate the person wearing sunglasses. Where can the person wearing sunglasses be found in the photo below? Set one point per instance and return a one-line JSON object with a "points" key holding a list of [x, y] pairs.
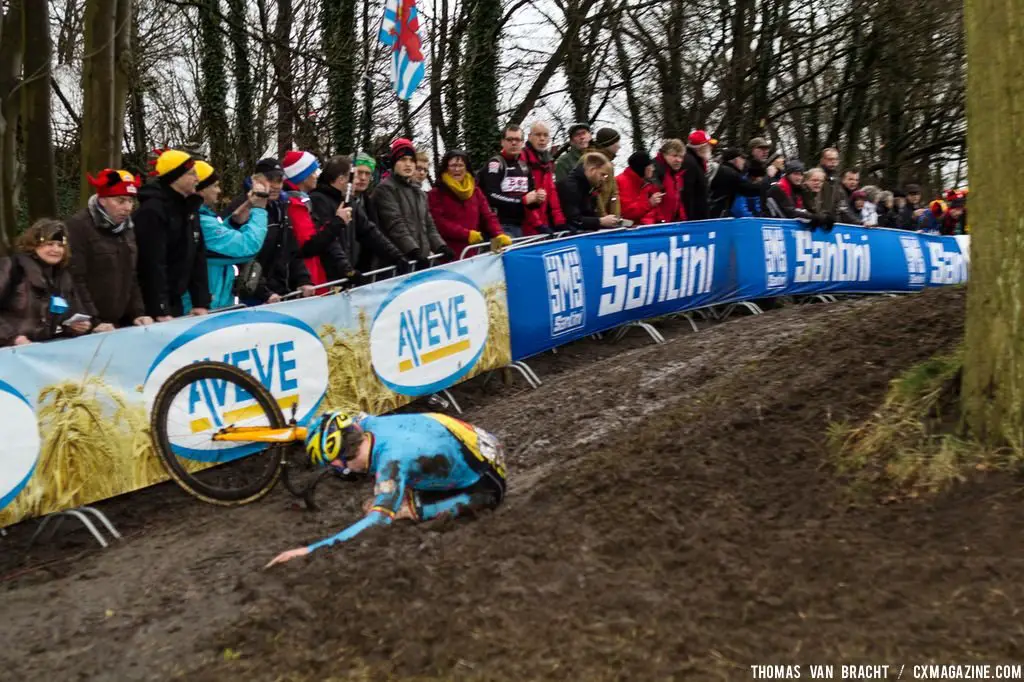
{"points": [[424, 467]]}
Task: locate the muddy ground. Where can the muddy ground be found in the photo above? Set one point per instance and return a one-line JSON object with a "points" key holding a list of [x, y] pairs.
{"points": [[672, 515]]}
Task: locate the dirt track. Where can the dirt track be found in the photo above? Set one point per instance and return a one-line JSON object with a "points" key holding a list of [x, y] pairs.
{"points": [[670, 517]]}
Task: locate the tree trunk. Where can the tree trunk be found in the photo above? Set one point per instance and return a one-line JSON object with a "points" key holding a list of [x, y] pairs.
{"points": [[213, 95], [636, 122], [244, 118], [366, 124], [123, 74], [98, 91], [993, 385], [481, 81], [340, 47], [10, 70], [40, 176], [283, 77], [137, 100]]}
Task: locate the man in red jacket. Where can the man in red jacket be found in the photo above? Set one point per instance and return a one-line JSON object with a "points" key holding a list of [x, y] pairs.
{"points": [[460, 210], [639, 197], [668, 173], [547, 216]]}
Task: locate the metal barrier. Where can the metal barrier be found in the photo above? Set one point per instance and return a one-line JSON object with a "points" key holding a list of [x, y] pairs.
{"points": [[82, 514]]}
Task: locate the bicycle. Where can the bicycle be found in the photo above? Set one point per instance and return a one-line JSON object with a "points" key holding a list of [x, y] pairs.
{"points": [[231, 457]]}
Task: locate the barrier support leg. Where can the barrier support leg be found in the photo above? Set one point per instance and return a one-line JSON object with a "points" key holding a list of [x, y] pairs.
{"points": [[452, 400], [531, 377], [651, 331], [81, 516]]}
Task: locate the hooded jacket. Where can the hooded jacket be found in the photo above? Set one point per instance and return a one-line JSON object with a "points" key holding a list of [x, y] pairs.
{"points": [[405, 219], [172, 253], [549, 212], [103, 264], [26, 288], [635, 193], [671, 209], [226, 247]]}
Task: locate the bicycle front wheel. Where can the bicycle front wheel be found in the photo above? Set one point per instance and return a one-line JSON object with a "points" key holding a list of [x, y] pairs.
{"points": [[197, 402]]}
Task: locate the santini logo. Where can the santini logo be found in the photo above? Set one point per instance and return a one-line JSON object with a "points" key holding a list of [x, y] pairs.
{"points": [[630, 281], [284, 354], [914, 255], [566, 299], [948, 267], [836, 258], [776, 268], [429, 333], [21, 443]]}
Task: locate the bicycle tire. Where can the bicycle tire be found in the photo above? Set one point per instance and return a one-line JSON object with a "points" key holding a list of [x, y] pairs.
{"points": [[194, 486]]}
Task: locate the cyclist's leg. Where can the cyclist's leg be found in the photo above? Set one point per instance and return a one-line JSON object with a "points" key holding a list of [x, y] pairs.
{"points": [[487, 493]]}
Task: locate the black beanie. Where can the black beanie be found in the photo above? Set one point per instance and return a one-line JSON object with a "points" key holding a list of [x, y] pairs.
{"points": [[606, 137], [639, 161]]}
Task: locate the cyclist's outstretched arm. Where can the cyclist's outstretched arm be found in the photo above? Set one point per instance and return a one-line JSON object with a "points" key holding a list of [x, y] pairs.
{"points": [[388, 493]]}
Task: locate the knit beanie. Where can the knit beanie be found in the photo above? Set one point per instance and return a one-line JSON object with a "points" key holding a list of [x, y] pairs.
{"points": [[401, 148], [299, 165], [206, 175], [639, 161], [731, 154], [364, 159], [114, 183], [606, 137], [172, 164]]}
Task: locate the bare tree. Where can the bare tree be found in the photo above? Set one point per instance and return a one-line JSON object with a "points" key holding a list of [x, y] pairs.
{"points": [[40, 179]]}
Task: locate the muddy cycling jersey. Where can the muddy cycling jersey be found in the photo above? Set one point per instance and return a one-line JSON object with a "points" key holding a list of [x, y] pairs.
{"points": [[433, 463]]}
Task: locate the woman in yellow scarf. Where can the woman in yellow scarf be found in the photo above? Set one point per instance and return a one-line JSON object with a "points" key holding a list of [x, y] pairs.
{"points": [[460, 210]]}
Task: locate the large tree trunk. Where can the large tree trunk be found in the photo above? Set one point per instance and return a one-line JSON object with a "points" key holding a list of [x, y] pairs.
{"points": [[244, 118], [213, 98], [481, 81], [993, 386], [340, 47], [40, 176], [10, 70], [283, 77], [137, 101], [98, 141], [124, 73]]}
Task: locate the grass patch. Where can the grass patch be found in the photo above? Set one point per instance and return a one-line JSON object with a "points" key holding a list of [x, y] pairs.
{"points": [[915, 443]]}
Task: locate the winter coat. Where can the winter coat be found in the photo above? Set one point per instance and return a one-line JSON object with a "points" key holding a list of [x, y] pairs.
{"points": [[843, 209], [608, 196], [579, 201], [506, 183], [26, 289], [321, 251], [831, 192], [405, 219], [635, 193], [728, 183], [455, 218], [226, 247], [746, 207], [786, 201], [361, 239], [671, 209], [549, 212], [695, 186], [283, 271], [568, 160], [103, 264], [172, 253]]}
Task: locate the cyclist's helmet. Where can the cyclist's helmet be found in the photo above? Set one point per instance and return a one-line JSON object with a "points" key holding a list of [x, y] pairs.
{"points": [[324, 442]]}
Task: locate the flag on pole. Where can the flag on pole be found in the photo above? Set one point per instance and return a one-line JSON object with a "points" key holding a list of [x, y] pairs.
{"points": [[400, 30]]}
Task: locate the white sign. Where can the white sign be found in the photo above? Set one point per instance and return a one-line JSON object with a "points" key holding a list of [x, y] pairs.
{"points": [[21, 443]]}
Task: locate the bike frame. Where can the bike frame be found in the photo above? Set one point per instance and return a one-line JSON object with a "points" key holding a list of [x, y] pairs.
{"points": [[260, 434]]}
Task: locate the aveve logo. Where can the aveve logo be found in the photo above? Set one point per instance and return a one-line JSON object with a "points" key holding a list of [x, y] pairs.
{"points": [[21, 443], [428, 333], [283, 353]]}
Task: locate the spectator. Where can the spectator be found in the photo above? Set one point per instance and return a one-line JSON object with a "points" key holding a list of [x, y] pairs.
{"points": [[695, 175], [402, 209], [776, 166], [930, 220], [547, 217], [912, 209], [668, 175], [278, 268], [848, 185], [37, 290], [227, 246], [760, 148], [829, 163], [786, 199], [729, 182], [508, 183], [888, 215], [318, 246], [460, 209], [105, 254], [814, 185], [422, 170], [858, 211], [607, 142], [869, 215], [750, 206], [955, 220], [172, 254], [347, 219], [899, 204], [579, 194], [579, 140], [640, 196]]}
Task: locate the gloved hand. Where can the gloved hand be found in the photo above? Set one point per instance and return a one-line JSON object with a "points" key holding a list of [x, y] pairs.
{"points": [[355, 279], [422, 263], [475, 237], [500, 242], [826, 222], [402, 266]]}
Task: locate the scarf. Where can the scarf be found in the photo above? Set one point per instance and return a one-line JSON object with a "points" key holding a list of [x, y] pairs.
{"points": [[103, 220], [462, 190]]}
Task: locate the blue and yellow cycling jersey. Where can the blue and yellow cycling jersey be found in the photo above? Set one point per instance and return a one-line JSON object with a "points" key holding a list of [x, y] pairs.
{"points": [[425, 453]]}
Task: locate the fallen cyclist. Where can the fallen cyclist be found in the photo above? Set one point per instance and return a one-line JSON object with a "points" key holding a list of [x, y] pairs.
{"points": [[425, 466]]}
